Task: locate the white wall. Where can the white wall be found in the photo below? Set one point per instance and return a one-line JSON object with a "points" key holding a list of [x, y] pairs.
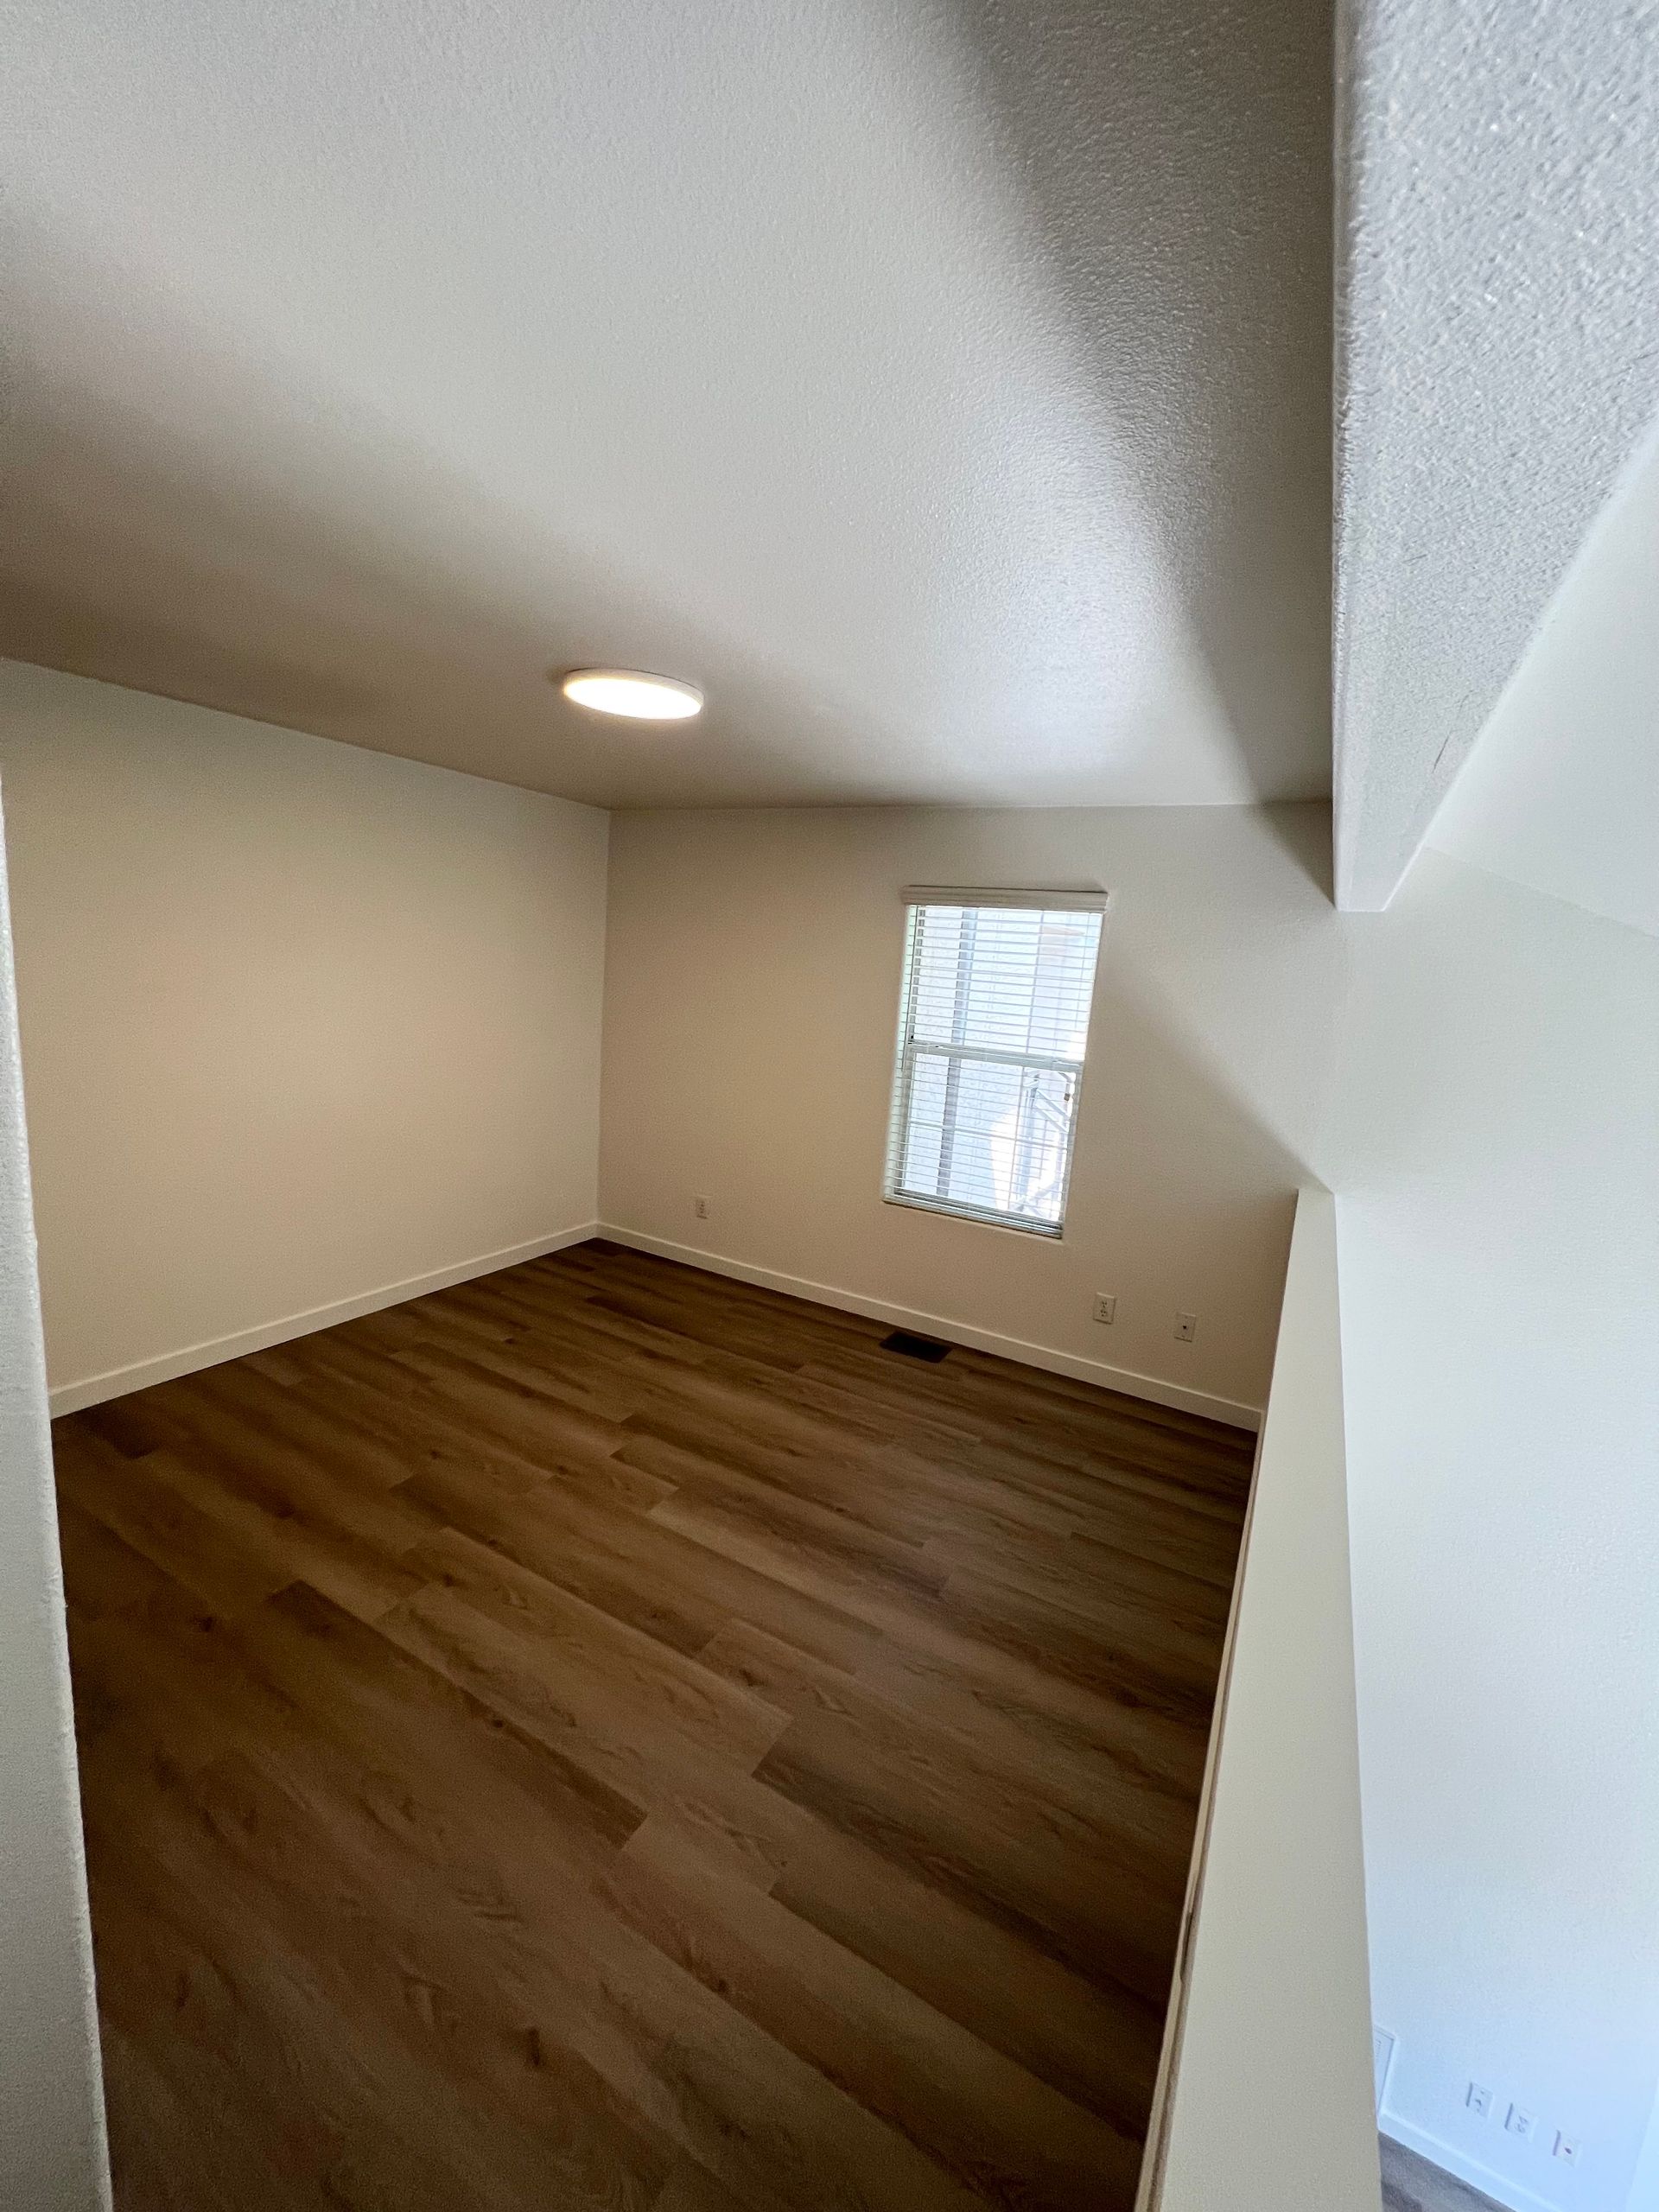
{"points": [[300, 1023], [1542, 1325], [1270, 2106], [751, 1007], [1498, 1140], [1644, 2189], [51, 2156], [1562, 791]]}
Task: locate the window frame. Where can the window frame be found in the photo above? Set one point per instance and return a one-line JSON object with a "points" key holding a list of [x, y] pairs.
{"points": [[915, 899]]}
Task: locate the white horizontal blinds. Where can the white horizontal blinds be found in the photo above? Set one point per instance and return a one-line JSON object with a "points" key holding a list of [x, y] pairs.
{"points": [[995, 1022]]}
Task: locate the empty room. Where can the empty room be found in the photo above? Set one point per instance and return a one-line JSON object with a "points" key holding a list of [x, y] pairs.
{"points": [[828, 1287]]}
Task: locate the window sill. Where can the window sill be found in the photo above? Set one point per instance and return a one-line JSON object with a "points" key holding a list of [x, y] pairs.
{"points": [[1051, 1232]]}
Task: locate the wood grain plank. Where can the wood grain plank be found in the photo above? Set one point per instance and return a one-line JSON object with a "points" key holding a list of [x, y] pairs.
{"points": [[1099, 2050], [652, 1576], [101, 1574], [618, 1703], [982, 2118], [1080, 1890], [604, 1735], [189, 1546]]}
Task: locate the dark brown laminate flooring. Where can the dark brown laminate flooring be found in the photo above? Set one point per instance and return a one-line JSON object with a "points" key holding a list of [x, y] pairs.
{"points": [[606, 1736], [1410, 2184]]}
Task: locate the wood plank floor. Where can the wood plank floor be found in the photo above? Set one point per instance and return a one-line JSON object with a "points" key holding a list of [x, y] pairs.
{"points": [[1410, 2184], [606, 1736]]}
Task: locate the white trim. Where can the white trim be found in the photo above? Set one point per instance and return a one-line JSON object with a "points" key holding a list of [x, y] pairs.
{"points": [[1150, 1387], [1384, 2044], [1092, 900], [92, 1389], [1456, 2162], [1053, 1230]]}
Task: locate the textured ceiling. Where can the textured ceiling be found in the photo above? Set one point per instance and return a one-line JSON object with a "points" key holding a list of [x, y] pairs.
{"points": [[943, 386], [1498, 363]]}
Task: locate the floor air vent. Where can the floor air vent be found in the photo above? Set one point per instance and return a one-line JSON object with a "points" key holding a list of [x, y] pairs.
{"points": [[914, 1347]]}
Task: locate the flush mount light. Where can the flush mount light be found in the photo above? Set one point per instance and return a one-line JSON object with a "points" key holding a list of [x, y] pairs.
{"points": [[631, 692]]}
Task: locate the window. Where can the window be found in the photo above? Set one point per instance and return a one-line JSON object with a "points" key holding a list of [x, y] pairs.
{"points": [[992, 1027]]}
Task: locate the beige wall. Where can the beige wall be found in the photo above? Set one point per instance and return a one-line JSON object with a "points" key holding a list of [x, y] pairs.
{"points": [[752, 1000], [1498, 1148], [300, 1022], [1270, 2104]]}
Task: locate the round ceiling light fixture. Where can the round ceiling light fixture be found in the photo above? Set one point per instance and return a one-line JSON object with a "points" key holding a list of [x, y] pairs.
{"points": [[632, 693]]}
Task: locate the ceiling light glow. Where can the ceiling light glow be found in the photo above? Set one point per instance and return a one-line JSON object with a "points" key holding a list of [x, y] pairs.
{"points": [[630, 692]]}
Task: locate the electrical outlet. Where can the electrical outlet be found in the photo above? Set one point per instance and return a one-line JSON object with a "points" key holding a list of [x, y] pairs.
{"points": [[1186, 1327], [1106, 1306], [1479, 2100], [1567, 2149], [1518, 2122], [699, 1207]]}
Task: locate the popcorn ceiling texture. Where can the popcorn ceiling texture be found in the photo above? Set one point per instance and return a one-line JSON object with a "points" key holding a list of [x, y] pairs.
{"points": [[943, 386], [1498, 362]]}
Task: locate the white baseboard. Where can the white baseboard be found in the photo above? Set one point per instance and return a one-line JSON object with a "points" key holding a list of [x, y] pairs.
{"points": [[1463, 2168], [92, 1389], [117, 1381], [1151, 1386]]}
